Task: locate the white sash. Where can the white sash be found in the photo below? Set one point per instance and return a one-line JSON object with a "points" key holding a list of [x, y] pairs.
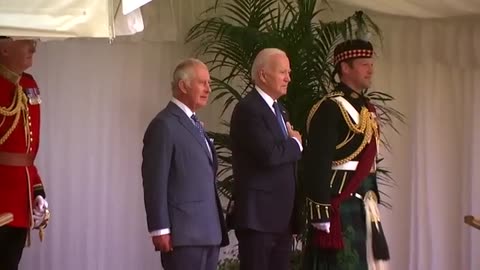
{"points": [[349, 108]]}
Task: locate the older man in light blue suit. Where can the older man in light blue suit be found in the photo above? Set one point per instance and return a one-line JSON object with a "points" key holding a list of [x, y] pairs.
{"points": [[179, 172]]}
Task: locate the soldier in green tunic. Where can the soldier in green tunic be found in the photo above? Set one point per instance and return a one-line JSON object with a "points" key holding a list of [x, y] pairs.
{"points": [[344, 231]]}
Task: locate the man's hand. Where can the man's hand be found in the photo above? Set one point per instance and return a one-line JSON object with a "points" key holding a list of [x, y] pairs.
{"points": [[293, 133], [322, 226], [162, 243]]}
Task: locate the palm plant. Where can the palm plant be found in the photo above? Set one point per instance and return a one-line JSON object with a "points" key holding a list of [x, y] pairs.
{"points": [[232, 32]]}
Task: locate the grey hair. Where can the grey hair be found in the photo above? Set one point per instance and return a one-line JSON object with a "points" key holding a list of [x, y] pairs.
{"points": [[183, 71], [261, 60]]}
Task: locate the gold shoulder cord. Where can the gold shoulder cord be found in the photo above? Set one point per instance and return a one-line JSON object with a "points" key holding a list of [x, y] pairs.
{"points": [[18, 105], [367, 125], [315, 107]]}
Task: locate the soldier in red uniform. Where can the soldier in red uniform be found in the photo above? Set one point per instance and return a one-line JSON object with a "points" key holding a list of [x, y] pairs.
{"points": [[21, 190]]}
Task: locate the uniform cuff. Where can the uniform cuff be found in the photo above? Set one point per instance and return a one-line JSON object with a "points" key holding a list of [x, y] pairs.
{"points": [[318, 212], [160, 232], [38, 190]]}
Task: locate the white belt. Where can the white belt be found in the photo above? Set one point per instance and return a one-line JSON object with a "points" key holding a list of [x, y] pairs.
{"points": [[349, 166]]}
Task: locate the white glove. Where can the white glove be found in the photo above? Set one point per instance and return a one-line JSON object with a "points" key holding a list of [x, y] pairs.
{"points": [[40, 204], [322, 226], [40, 207]]}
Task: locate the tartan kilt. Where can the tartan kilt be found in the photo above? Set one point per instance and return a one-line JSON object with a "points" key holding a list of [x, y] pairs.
{"points": [[353, 255]]}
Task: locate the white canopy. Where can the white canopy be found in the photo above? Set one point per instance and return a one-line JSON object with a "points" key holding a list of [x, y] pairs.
{"points": [[419, 8], [48, 19]]}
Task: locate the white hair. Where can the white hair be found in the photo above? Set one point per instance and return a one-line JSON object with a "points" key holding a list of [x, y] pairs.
{"points": [[262, 59], [183, 71]]}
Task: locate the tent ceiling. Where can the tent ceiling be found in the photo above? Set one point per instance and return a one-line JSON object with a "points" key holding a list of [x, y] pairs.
{"points": [[48, 19], [418, 8]]}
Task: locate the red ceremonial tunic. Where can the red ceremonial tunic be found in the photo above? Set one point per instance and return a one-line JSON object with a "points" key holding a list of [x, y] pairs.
{"points": [[19, 185]]}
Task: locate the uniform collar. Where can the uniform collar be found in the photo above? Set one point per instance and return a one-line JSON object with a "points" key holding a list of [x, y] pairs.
{"points": [[11, 76], [348, 91]]}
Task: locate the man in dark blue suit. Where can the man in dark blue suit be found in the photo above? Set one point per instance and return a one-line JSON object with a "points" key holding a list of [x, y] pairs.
{"points": [[179, 172], [265, 150]]}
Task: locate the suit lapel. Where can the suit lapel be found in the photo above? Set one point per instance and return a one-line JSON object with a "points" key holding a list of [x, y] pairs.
{"points": [[188, 124], [214, 154], [269, 115], [284, 114]]}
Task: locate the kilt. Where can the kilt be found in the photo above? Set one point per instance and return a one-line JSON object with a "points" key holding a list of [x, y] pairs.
{"points": [[353, 255]]}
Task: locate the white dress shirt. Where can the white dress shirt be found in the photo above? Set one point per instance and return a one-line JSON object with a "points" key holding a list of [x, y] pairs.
{"points": [[269, 100]]}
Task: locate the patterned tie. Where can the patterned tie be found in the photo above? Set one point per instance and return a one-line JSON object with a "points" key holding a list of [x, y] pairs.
{"points": [[198, 125], [203, 135], [278, 114]]}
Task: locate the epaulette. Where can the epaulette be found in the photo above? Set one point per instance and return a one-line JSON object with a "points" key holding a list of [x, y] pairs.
{"points": [[315, 107]]}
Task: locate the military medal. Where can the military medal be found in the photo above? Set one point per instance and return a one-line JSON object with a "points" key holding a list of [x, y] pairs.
{"points": [[33, 95]]}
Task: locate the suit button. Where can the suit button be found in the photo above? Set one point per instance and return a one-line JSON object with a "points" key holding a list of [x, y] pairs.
{"points": [[31, 139]]}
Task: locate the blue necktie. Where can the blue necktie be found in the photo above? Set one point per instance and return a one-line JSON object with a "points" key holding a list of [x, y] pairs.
{"points": [[280, 121], [203, 135], [198, 125]]}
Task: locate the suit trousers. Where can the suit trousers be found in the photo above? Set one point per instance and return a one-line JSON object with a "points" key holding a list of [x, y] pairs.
{"points": [[12, 242], [191, 258], [264, 251]]}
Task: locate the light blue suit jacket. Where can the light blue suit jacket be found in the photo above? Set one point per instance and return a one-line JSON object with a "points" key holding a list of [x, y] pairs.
{"points": [[179, 177]]}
